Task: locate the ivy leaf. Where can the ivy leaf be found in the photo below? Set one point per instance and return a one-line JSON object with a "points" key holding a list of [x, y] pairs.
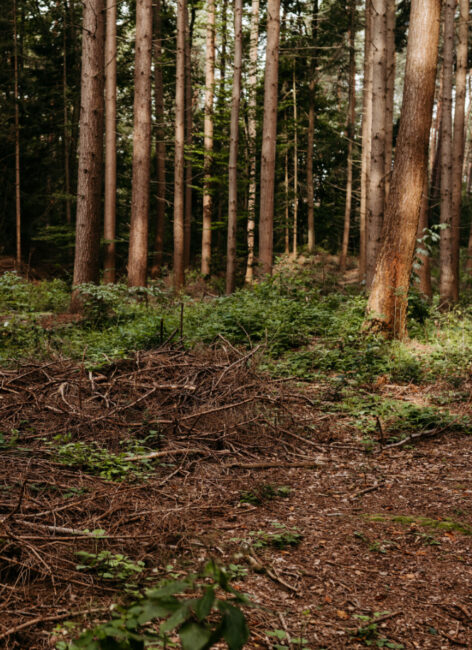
{"points": [[194, 636]]}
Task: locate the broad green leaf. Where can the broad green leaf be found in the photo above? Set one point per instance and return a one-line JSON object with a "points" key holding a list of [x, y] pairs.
{"points": [[194, 636], [204, 604]]}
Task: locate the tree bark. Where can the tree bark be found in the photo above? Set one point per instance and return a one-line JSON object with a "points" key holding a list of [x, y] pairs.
{"points": [[459, 141], [269, 137], [366, 138], [17, 143], [179, 149], [188, 138], [446, 281], [233, 149], [295, 166], [109, 274], [424, 272], [89, 182], [386, 309], [160, 144], [208, 138], [376, 191], [390, 91], [351, 122], [138, 241], [65, 109], [311, 133], [252, 133]]}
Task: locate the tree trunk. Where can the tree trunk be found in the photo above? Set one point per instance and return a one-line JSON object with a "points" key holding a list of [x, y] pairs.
{"points": [[89, 182], [386, 309], [160, 144], [459, 141], [424, 272], [287, 208], [269, 137], [446, 281], [366, 138], [188, 138], [233, 149], [311, 134], [109, 274], [390, 90], [351, 122], [17, 143], [179, 149], [208, 138], [376, 191], [295, 166], [66, 122], [252, 133]]}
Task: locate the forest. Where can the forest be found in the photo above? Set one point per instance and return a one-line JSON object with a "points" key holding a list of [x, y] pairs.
{"points": [[235, 324]]}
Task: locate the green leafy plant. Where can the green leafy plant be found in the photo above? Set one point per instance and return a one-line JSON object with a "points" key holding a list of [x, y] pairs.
{"points": [[202, 609], [282, 637], [109, 566], [369, 635]]}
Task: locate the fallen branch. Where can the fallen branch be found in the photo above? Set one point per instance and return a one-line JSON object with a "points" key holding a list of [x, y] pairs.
{"points": [[172, 452], [50, 619]]}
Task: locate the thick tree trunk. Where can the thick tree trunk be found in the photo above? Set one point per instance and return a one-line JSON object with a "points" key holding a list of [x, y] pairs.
{"points": [[388, 299], [390, 90], [160, 144], [459, 141], [366, 138], [376, 190], [269, 137], [310, 197], [446, 281], [17, 143], [233, 149], [252, 133], [138, 240], [179, 149], [109, 274], [89, 182], [295, 166], [351, 122], [208, 138]]}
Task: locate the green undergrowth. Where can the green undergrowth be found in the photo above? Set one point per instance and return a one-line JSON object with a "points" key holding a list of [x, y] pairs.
{"points": [[305, 330], [446, 525]]}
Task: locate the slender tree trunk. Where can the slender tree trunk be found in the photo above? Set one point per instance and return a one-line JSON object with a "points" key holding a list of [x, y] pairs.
{"points": [[459, 141], [138, 241], [446, 281], [295, 166], [366, 138], [109, 274], [390, 90], [66, 122], [311, 134], [89, 182], [424, 272], [376, 191], [287, 208], [269, 137], [388, 299], [252, 133], [17, 142], [179, 149], [233, 149], [188, 139], [351, 122], [160, 144], [208, 137]]}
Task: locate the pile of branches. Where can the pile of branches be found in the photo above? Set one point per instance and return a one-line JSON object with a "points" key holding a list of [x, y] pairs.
{"points": [[190, 421]]}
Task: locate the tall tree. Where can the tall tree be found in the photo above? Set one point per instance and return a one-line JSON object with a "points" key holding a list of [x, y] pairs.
{"points": [[446, 281], [138, 241], [188, 136], [390, 91], [351, 122], [110, 142], [366, 138], [269, 136], [376, 190], [424, 270], [295, 164], [179, 263], [208, 137], [17, 141], [311, 131], [233, 149], [458, 144], [388, 299], [160, 143], [89, 182], [252, 133], [65, 101]]}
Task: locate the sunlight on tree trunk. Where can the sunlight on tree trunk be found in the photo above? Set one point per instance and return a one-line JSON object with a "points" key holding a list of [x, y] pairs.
{"points": [[208, 137], [179, 149]]}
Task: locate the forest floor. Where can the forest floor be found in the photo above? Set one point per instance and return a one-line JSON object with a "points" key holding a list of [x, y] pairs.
{"points": [[174, 457]]}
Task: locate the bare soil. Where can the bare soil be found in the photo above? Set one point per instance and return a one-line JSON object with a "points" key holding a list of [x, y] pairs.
{"points": [[386, 536]]}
